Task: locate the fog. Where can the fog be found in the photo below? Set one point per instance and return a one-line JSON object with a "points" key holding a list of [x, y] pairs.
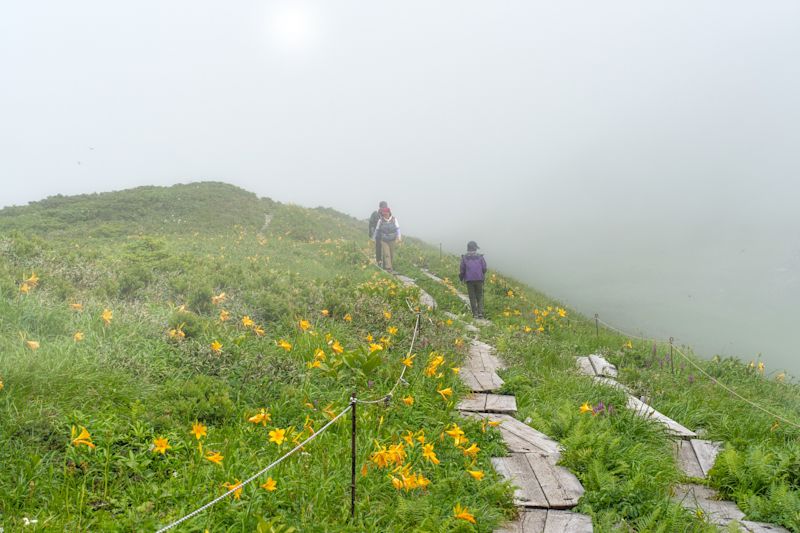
{"points": [[636, 160]]}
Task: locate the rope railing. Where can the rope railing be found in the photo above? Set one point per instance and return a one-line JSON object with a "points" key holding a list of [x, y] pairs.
{"points": [[351, 406], [703, 372], [257, 474]]}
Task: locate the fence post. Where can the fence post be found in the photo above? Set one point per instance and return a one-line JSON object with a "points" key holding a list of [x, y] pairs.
{"points": [[353, 455], [671, 365], [596, 325], [440, 251]]}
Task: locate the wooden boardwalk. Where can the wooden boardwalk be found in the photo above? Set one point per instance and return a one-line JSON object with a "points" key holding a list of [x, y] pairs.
{"points": [[542, 489], [695, 457]]}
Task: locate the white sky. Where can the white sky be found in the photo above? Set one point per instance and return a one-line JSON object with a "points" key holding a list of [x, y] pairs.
{"points": [[583, 144]]}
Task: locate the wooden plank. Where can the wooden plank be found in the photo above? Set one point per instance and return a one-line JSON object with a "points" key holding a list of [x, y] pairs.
{"points": [[501, 403], [761, 527], [567, 522], [602, 367], [706, 452], [645, 411], [432, 276], [687, 459], [529, 521], [548, 521], [585, 366], [490, 381], [469, 379], [517, 469], [610, 383], [405, 280], [520, 437], [473, 402], [717, 511], [485, 356], [560, 486]]}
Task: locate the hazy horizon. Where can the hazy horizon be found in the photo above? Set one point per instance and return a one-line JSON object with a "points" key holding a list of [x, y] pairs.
{"points": [[634, 160]]}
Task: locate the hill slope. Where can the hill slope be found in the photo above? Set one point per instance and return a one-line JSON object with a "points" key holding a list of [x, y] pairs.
{"points": [[143, 315]]}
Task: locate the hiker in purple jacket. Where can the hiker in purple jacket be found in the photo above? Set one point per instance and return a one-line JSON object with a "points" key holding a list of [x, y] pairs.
{"points": [[473, 272]]}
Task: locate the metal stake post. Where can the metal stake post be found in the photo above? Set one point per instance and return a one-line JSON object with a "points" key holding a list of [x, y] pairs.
{"points": [[596, 325], [671, 366], [353, 455]]}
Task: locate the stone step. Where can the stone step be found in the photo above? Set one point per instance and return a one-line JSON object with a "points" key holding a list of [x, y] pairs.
{"points": [[520, 437], [696, 457], [489, 403], [645, 411], [538, 481], [548, 521]]}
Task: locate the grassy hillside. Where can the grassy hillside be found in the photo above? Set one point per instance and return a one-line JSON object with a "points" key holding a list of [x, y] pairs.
{"points": [[143, 315]]}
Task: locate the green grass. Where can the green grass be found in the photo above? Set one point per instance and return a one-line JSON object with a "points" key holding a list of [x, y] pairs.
{"points": [[157, 256]]}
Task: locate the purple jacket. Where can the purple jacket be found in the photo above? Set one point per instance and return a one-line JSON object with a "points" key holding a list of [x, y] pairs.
{"points": [[473, 267]]}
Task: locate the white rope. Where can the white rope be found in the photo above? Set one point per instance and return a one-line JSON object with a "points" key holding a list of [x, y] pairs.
{"points": [[706, 374], [387, 397], [256, 475]]}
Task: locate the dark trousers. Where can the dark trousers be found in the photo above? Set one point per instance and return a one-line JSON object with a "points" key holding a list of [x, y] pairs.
{"points": [[475, 290], [378, 251]]}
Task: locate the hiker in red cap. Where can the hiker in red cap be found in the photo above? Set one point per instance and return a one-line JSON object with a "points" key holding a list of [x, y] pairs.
{"points": [[387, 232]]}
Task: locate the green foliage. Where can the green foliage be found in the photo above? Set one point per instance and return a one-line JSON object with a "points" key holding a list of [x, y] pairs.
{"points": [[156, 257]]}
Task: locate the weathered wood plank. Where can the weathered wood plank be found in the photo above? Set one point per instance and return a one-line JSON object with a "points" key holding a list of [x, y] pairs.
{"points": [[761, 527], [567, 522], [472, 382], [602, 367], [405, 280], [473, 402], [529, 521], [520, 437], [548, 521], [706, 452], [717, 511], [687, 459], [560, 486], [517, 469], [483, 356], [610, 383], [501, 403], [645, 411], [585, 366]]}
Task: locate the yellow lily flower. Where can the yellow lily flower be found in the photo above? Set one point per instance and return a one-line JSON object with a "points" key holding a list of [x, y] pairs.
{"points": [[269, 485], [83, 438], [199, 430], [277, 436], [224, 315], [586, 408], [33, 345], [107, 315], [76, 306], [408, 400], [463, 513], [216, 347], [262, 417], [476, 474], [348, 318], [214, 457], [237, 485], [446, 393], [429, 454], [304, 325], [161, 445], [285, 345]]}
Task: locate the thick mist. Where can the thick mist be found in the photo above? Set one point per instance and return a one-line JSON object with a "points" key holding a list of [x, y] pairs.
{"points": [[634, 160]]}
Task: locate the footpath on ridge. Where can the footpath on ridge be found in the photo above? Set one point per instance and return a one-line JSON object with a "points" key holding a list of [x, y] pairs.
{"points": [[543, 491]]}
